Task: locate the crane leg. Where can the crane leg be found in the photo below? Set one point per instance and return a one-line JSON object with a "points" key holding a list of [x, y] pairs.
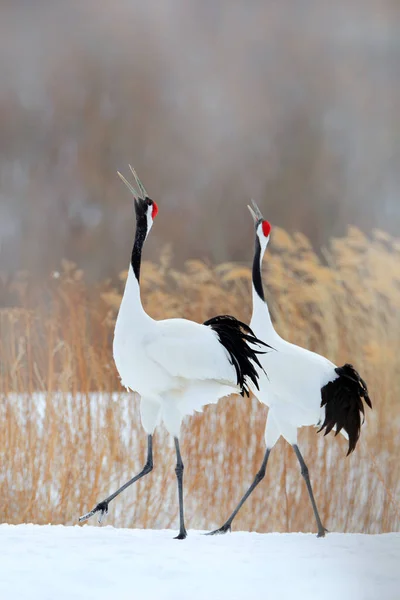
{"points": [[304, 472], [102, 507], [179, 475], [259, 476]]}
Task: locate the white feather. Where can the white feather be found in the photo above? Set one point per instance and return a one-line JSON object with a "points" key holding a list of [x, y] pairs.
{"points": [[176, 365], [189, 350], [292, 389]]}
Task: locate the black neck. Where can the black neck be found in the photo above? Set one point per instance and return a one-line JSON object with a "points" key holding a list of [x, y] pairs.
{"points": [[257, 280], [140, 236]]}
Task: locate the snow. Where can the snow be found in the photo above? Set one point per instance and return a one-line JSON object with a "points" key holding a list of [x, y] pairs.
{"points": [[48, 562]]}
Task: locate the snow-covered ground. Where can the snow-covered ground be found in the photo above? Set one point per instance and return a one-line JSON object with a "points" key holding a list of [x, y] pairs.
{"points": [[57, 562]]}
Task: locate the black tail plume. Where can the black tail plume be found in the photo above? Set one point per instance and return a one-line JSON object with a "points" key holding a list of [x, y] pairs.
{"points": [[236, 336], [343, 401]]}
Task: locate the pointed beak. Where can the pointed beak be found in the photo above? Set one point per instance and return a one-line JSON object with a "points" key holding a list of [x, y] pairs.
{"points": [[142, 192], [255, 212], [129, 186]]}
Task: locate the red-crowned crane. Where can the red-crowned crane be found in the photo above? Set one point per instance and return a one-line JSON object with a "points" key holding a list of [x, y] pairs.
{"points": [[299, 387], [175, 365]]}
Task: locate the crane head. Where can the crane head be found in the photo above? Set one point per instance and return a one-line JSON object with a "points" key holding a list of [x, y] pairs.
{"points": [[144, 205], [263, 227]]}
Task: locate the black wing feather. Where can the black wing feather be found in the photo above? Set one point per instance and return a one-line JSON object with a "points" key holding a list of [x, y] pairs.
{"points": [[343, 400], [236, 336]]}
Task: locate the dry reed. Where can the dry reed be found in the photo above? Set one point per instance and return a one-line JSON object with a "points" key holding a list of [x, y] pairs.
{"points": [[65, 442]]}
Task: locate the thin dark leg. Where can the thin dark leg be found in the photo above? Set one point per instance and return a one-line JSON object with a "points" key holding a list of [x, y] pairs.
{"points": [[179, 475], [304, 472], [102, 507], [260, 475]]}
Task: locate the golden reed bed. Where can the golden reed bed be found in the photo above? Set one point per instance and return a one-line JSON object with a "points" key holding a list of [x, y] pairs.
{"points": [[63, 446]]}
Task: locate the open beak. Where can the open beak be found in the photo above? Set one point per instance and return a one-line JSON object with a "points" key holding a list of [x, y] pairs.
{"points": [[142, 192], [129, 186], [255, 212]]}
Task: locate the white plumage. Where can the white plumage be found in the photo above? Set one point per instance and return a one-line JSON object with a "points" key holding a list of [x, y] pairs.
{"points": [[292, 390], [300, 387], [178, 349], [175, 365]]}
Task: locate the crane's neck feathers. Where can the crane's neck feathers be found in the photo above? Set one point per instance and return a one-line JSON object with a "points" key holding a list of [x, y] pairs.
{"points": [[131, 309], [144, 221], [257, 279], [140, 236], [261, 316]]}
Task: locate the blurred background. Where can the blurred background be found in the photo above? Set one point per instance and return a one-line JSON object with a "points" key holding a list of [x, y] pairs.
{"points": [[295, 104]]}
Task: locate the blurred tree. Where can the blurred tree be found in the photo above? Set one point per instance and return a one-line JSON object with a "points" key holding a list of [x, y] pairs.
{"points": [[295, 104]]}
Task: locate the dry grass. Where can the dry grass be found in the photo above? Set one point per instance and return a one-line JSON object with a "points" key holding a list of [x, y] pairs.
{"points": [[62, 447]]}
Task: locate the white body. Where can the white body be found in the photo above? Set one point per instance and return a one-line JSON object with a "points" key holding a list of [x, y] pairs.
{"points": [[175, 365], [292, 389]]}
